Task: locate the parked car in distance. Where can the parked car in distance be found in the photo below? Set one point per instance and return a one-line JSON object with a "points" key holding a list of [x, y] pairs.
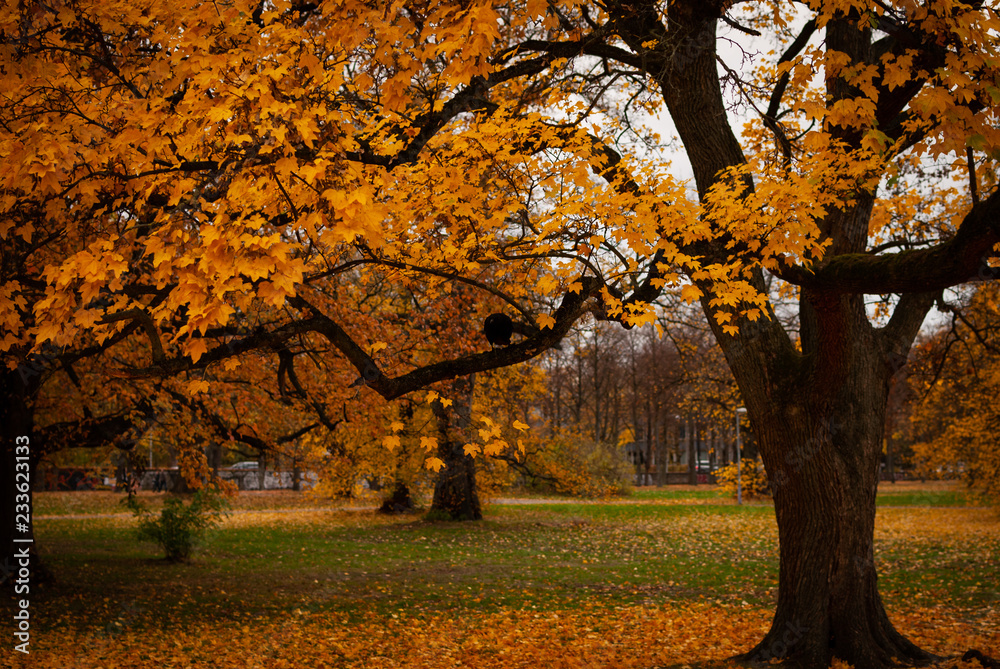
{"points": [[249, 464]]}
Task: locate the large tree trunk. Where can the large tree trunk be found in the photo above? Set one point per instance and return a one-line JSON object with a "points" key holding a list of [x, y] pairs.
{"points": [[816, 398], [17, 432], [824, 496], [455, 492], [819, 418]]}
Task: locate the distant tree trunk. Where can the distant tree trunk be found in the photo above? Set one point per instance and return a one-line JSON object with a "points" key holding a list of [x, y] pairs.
{"points": [[662, 455], [215, 457], [179, 483], [889, 465], [296, 476], [261, 471], [455, 491], [598, 395], [399, 501]]}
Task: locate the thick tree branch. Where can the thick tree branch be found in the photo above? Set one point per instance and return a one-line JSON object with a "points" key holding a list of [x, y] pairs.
{"points": [[92, 432], [259, 339], [572, 307], [143, 318], [224, 430], [962, 258], [909, 314], [592, 45]]}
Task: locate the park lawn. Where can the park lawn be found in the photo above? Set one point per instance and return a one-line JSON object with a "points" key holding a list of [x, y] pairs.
{"points": [[599, 584], [91, 502]]}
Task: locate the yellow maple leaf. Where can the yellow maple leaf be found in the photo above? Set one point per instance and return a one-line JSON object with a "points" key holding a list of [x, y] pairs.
{"points": [[546, 284], [198, 386], [690, 293], [196, 348], [496, 447]]}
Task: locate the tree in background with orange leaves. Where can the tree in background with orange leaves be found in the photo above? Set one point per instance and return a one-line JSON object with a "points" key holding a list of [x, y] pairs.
{"points": [[953, 421]]}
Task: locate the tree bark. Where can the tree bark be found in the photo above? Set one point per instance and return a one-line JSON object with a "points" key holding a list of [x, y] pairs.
{"points": [[17, 441], [691, 433], [819, 418], [824, 497], [455, 492]]}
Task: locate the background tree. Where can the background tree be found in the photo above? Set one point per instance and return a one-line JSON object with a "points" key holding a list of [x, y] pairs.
{"points": [[954, 424], [639, 390]]}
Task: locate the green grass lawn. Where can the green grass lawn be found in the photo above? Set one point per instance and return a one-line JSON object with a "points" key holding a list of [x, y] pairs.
{"points": [[295, 580], [685, 493], [95, 502], [931, 493], [901, 493]]}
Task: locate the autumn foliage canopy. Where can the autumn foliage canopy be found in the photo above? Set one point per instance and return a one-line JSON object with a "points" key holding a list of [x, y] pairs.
{"points": [[190, 171], [184, 167]]}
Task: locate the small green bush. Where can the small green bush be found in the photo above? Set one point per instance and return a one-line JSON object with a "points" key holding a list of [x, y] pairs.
{"points": [[437, 516], [180, 526]]}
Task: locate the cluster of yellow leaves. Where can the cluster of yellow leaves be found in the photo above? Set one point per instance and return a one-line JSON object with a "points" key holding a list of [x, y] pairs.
{"points": [[783, 222], [753, 479], [280, 110], [276, 110]]}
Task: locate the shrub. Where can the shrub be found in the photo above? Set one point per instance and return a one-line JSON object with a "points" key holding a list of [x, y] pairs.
{"points": [[438, 516], [572, 464], [180, 526], [753, 479]]}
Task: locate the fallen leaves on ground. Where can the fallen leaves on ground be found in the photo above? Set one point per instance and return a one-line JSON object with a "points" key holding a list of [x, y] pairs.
{"points": [[622, 637]]}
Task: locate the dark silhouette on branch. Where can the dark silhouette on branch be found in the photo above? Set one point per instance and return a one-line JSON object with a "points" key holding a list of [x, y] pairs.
{"points": [[498, 328]]}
